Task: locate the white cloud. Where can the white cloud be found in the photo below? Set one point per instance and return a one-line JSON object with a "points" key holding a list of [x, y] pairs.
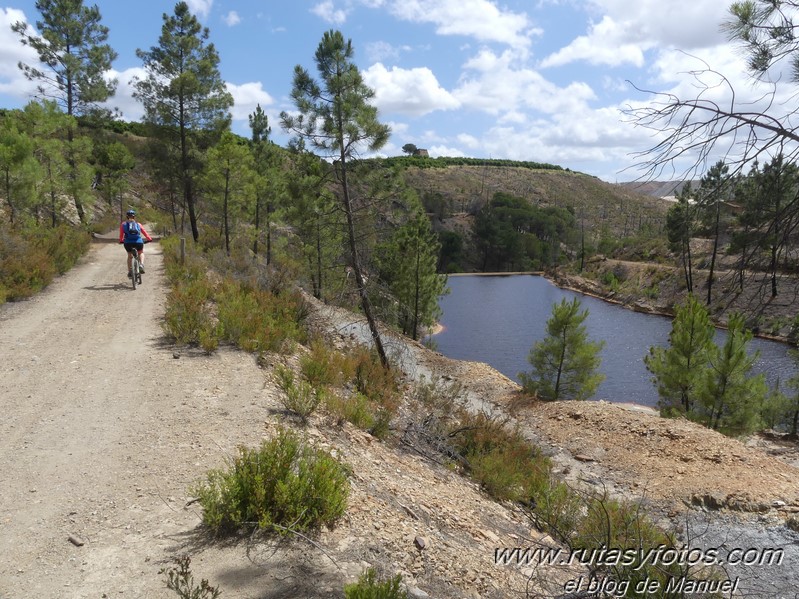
{"points": [[232, 18], [200, 8], [327, 11], [442, 150], [413, 92], [470, 141], [246, 97], [624, 31], [603, 45], [123, 99], [480, 19], [684, 24], [12, 52], [496, 85]]}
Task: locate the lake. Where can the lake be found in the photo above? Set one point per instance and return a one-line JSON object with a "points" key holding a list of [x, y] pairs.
{"points": [[497, 319]]}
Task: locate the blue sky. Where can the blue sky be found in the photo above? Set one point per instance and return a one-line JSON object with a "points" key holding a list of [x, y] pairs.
{"points": [[539, 80]]}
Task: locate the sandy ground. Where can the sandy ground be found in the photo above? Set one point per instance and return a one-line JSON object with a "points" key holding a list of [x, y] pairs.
{"points": [[99, 437]]}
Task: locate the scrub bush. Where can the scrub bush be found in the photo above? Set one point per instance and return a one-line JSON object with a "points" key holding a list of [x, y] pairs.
{"points": [[285, 486]]}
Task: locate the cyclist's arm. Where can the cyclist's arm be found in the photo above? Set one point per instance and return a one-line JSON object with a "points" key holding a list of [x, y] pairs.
{"points": [[145, 234], [121, 233]]}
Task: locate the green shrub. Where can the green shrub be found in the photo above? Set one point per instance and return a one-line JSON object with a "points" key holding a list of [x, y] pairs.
{"points": [[369, 587], [507, 465], [209, 305], [285, 484], [623, 525], [301, 397], [31, 258], [257, 320], [187, 314], [323, 367], [377, 383], [355, 409]]}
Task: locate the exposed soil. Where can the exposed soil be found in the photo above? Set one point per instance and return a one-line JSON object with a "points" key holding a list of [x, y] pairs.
{"points": [[106, 428]]}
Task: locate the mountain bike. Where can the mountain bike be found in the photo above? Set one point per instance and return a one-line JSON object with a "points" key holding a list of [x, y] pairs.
{"points": [[135, 268]]}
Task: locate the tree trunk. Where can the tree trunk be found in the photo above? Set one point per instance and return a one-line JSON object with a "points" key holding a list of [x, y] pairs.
{"points": [[73, 173], [318, 258], [268, 231], [188, 192], [713, 255], [366, 305], [257, 224], [225, 209], [561, 360]]}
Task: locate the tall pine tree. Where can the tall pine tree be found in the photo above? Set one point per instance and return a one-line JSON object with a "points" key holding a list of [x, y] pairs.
{"points": [[184, 96], [335, 117], [72, 48]]}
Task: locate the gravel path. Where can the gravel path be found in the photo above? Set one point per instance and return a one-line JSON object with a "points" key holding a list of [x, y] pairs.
{"points": [[103, 431]]}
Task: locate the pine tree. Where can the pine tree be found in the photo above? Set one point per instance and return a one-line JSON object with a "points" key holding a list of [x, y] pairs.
{"points": [[680, 228], [264, 176], [18, 167], [409, 266], [336, 117], [680, 368], [730, 399], [114, 162], [565, 363], [72, 47], [316, 217], [184, 96], [228, 179]]}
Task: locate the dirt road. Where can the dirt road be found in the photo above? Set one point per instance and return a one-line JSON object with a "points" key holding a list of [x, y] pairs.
{"points": [[102, 432]]}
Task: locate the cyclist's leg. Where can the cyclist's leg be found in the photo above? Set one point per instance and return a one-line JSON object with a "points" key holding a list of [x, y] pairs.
{"points": [[130, 257], [140, 247]]}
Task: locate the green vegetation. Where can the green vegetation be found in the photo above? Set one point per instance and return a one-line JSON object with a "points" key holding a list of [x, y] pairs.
{"points": [[72, 46], [337, 118], [32, 257], [301, 397], [223, 301], [511, 234], [185, 100], [679, 368], [408, 266], [565, 362], [369, 587], [284, 486], [444, 162], [710, 384]]}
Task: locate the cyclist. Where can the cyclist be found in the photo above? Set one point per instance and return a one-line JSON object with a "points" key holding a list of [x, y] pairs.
{"points": [[133, 235]]}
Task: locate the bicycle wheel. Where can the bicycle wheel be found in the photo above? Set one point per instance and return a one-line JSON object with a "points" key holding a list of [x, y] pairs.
{"points": [[134, 269]]}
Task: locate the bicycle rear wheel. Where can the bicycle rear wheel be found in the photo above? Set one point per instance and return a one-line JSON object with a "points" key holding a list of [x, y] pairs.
{"points": [[134, 269]]}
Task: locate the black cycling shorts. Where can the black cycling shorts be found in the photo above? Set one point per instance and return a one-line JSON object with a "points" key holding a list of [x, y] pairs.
{"points": [[130, 246]]}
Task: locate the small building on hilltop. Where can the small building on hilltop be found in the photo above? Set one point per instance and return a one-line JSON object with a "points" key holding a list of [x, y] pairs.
{"points": [[421, 153]]}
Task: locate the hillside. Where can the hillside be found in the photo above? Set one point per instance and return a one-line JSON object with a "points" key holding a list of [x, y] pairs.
{"points": [[599, 206], [97, 471]]}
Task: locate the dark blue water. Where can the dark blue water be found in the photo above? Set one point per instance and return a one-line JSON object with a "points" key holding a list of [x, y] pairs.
{"points": [[497, 319]]}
